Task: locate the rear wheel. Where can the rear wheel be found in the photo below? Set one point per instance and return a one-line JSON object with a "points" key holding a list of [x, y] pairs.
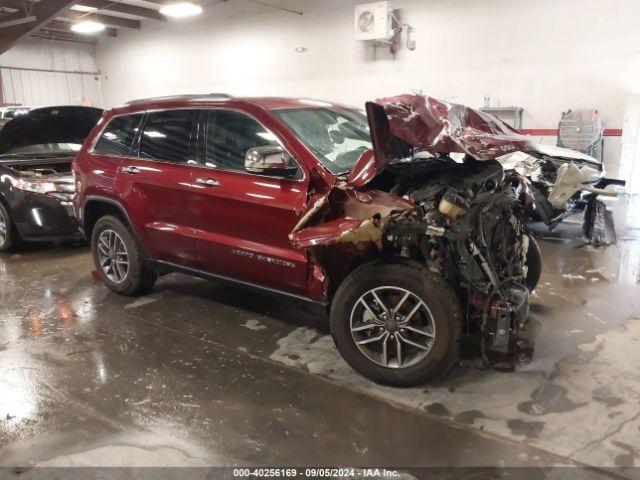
{"points": [[118, 258], [8, 233], [396, 323]]}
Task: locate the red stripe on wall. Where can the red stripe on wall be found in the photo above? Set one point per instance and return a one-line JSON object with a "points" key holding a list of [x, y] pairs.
{"points": [[553, 132], [550, 132], [612, 132]]}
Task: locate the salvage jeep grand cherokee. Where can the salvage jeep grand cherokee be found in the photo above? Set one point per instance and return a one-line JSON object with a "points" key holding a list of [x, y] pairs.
{"points": [[365, 214]]}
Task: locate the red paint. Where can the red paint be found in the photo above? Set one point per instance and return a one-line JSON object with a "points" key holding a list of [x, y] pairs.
{"points": [[612, 132], [238, 229]]}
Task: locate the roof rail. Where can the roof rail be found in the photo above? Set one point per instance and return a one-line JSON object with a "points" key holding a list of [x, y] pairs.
{"points": [[168, 98]]}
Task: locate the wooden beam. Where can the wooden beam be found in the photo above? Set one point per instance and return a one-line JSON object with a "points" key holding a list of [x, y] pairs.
{"points": [[110, 6], [44, 11], [73, 15], [65, 27]]}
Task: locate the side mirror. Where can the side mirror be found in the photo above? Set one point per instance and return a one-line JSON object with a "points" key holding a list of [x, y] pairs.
{"points": [[270, 160]]}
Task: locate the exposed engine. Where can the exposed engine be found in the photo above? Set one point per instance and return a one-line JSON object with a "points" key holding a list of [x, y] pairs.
{"points": [[467, 226]]}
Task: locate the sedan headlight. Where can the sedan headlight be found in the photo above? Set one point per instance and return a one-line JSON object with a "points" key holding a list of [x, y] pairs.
{"points": [[41, 185], [34, 185]]}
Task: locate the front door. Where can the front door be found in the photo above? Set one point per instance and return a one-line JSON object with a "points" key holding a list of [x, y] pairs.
{"points": [[244, 219]]}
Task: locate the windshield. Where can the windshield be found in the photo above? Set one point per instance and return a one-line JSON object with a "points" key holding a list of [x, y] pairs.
{"points": [[336, 136], [46, 149]]}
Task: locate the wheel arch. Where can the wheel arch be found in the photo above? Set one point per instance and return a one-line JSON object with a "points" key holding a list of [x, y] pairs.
{"points": [[96, 207], [371, 262]]}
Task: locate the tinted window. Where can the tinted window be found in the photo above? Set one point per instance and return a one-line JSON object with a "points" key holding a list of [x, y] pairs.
{"points": [[118, 136], [166, 136], [229, 135]]}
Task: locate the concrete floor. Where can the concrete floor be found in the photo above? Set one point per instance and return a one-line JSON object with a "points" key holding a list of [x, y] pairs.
{"points": [[198, 373]]}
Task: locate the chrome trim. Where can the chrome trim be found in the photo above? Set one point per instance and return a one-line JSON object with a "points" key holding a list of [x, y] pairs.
{"points": [[209, 182], [131, 170]]}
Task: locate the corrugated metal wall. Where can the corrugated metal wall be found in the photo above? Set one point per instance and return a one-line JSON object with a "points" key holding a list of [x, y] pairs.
{"points": [[33, 87]]}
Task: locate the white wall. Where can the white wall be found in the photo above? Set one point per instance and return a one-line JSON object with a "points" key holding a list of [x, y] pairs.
{"points": [[45, 54], [26, 83], [544, 55]]}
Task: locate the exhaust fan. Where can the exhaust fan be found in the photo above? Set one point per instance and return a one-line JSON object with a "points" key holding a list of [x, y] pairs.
{"points": [[373, 21]]}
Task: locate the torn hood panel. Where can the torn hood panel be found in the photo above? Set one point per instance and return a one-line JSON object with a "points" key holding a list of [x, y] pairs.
{"points": [[435, 126]]}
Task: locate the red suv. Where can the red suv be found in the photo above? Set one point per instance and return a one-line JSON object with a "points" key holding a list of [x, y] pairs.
{"points": [[313, 200]]}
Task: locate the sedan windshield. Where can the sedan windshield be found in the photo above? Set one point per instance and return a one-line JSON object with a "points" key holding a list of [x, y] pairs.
{"points": [[336, 136]]}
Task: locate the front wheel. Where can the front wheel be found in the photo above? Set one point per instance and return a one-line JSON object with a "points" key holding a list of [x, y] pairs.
{"points": [[119, 259], [8, 233], [396, 323]]}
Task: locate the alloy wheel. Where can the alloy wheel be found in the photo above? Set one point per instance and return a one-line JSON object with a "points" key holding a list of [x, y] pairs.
{"points": [[392, 327], [113, 256]]}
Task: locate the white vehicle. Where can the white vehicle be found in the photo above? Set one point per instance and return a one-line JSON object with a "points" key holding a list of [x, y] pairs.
{"points": [[564, 182]]}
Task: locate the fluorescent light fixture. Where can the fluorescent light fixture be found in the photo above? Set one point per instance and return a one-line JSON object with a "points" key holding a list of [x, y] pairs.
{"points": [[181, 9], [87, 27]]}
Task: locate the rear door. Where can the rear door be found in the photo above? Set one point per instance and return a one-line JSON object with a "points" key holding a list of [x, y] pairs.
{"points": [[243, 220], [115, 143], [157, 186]]}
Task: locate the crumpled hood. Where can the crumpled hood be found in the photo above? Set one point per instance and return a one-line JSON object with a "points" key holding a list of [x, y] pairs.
{"points": [[435, 126], [49, 125]]}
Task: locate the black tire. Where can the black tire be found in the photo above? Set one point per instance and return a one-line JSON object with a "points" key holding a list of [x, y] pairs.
{"points": [[432, 289], [534, 264], [10, 238], [138, 279]]}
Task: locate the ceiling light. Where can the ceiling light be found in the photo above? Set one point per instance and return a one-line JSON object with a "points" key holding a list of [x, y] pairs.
{"points": [[87, 27], [181, 9], [301, 49]]}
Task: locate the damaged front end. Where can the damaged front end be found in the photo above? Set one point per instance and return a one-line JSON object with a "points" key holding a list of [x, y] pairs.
{"points": [[565, 182], [407, 200]]}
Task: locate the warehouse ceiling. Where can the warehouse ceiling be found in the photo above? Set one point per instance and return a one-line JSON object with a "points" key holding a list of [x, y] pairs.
{"points": [[52, 19]]}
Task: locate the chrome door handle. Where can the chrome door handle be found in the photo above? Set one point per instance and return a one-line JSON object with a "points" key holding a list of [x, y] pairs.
{"points": [[130, 170], [209, 182]]}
